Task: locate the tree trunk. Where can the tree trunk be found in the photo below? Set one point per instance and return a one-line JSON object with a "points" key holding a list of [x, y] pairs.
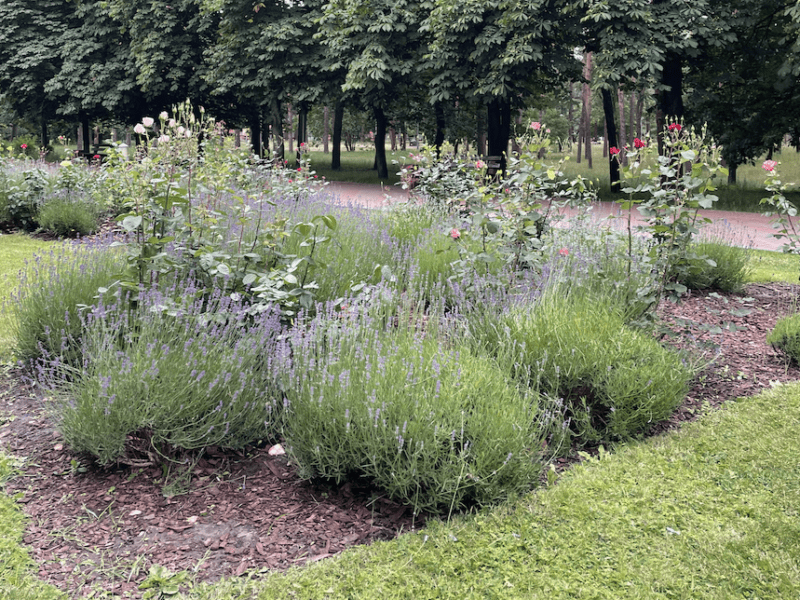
{"points": [[45, 133], [254, 122], [732, 168], [670, 99], [498, 129], [380, 143], [302, 130], [277, 126], [480, 137], [587, 107], [438, 141], [325, 129], [338, 119], [611, 127], [623, 138], [570, 117], [85, 132]]}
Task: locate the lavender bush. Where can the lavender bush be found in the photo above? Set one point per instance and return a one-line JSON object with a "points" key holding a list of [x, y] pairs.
{"points": [[433, 424], [169, 375]]}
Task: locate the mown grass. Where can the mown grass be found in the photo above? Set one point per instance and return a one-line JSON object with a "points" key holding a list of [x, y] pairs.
{"points": [[357, 167], [710, 512], [17, 570], [14, 250]]}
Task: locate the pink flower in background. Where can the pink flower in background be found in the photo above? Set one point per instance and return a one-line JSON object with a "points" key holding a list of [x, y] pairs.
{"points": [[480, 164], [564, 252], [96, 157], [536, 126], [455, 233], [769, 165], [148, 121], [613, 151], [24, 146]]}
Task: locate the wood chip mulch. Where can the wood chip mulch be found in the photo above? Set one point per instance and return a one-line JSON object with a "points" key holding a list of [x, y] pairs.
{"points": [[92, 529]]}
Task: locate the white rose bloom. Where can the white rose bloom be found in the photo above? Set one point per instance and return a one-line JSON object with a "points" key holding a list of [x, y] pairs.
{"points": [[163, 138], [181, 130], [140, 129], [163, 116], [147, 122], [172, 123]]}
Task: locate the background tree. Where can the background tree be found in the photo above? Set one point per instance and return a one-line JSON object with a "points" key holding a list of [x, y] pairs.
{"points": [[30, 37], [499, 52]]}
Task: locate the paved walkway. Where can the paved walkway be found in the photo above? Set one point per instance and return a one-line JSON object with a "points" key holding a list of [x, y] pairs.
{"points": [[738, 228]]}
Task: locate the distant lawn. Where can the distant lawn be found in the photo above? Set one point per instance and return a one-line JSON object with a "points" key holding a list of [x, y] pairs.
{"points": [[14, 251], [357, 166]]}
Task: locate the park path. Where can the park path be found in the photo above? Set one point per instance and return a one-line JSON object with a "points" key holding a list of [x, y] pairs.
{"points": [[737, 228]]}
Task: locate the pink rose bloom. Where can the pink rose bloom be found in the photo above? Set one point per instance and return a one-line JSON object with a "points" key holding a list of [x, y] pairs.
{"points": [[24, 146], [480, 164], [148, 122], [455, 234], [536, 126], [564, 252], [613, 151], [140, 129], [769, 165], [162, 139]]}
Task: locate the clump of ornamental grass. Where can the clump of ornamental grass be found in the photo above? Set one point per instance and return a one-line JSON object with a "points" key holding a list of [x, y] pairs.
{"points": [[433, 424], [613, 381], [786, 337], [720, 260], [53, 289], [66, 216], [167, 375]]}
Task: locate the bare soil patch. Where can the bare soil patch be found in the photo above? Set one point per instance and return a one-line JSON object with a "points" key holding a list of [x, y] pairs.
{"points": [[91, 528]]}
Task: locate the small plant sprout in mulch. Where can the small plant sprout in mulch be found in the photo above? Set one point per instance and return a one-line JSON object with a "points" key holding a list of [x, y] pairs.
{"points": [[428, 364]]}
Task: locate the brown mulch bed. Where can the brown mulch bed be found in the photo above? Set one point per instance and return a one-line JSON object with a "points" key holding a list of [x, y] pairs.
{"points": [[91, 528]]}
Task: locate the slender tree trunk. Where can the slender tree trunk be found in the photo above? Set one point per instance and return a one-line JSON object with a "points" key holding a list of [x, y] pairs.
{"points": [[45, 133], [338, 119], [438, 141], [480, 137], [611, 127], [587, 106], [570, 117], [325, 129], [290, 126], [639, 110], [499, 129], [302, 131], [85, 132], [380, 143], [732, 168], [255, 134], [670, 99], [623, 139], [277, 126]]}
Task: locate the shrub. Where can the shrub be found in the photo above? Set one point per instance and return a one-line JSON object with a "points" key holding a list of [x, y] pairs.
{"points": [[786, 336], [167, 376], [434, 427], [52, 289], [614, 381], [66, 217], [728, 273]]}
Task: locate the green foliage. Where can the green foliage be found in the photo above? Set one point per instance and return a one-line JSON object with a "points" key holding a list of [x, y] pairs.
{"points": [[50, 294], [669, 190], [717, 266], [614, 381], [68, 218], [786, 337], [175, 374], [435, 428]]}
